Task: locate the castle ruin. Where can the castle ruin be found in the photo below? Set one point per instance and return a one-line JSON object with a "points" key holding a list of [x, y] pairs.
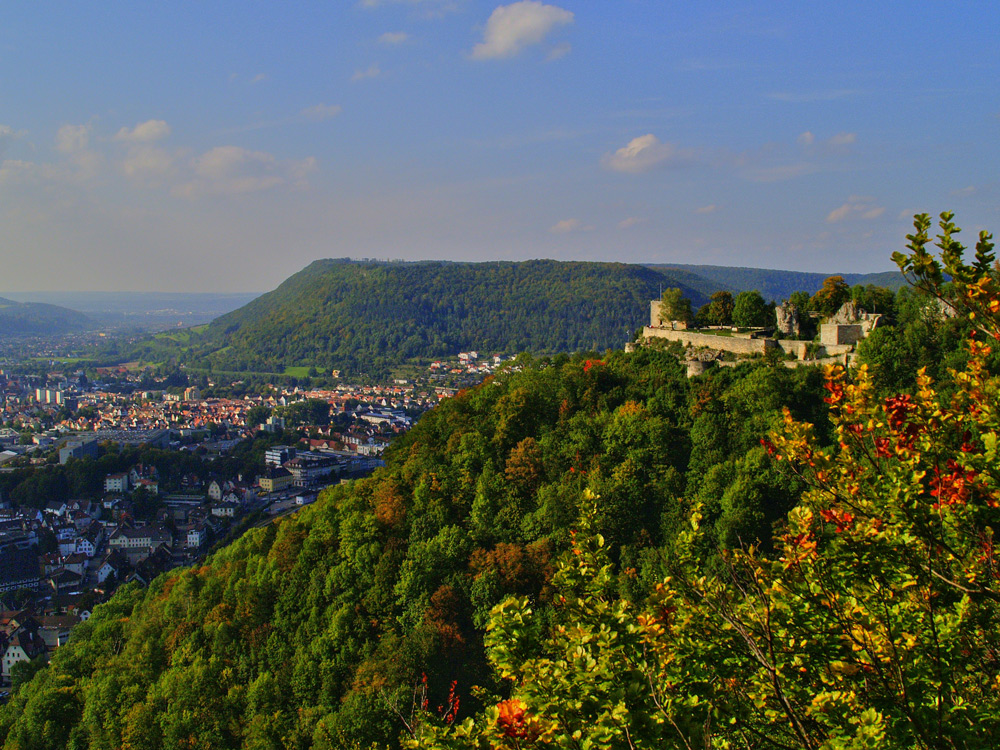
{"points": [[838, 338]]}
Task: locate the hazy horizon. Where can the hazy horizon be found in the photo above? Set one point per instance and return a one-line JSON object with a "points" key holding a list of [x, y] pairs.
{"points": [[48, 295]]}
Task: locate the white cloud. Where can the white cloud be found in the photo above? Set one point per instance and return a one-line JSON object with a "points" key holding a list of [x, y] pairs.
{"points": [[13, 171], [394, 37], [74, 142], [559, 51], [299, 171], [570, 225], [147, 162], [565, 226], [72, 139], [222, 161], [144, 132], [374, 71], [8, 134], [82, 159], [630, 222], [835, 142], [260, 78], [230, 170], [513, 27], [643, 154], [144, 162], [709, 209], [843, 139], [321, 112], [857, 206], [839, 214]]}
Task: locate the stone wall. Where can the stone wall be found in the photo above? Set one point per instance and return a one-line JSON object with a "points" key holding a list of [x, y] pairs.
{"points": [[697, 367], [746, 346], [654, 318], [819, 362], [798, 348], [834, 334]]}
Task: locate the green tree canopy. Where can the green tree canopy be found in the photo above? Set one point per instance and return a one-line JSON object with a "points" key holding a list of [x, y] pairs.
{"points": [[675, 305], [720, 309], [750, 310], [834, 293], [874, 299], [873, 624]]}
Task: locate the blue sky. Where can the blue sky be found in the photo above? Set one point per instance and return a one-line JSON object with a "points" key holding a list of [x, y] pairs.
{"points": [[223, 146]]}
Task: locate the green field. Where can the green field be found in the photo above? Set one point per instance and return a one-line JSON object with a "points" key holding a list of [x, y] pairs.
{"points": [[716, 333], [181, 337]]}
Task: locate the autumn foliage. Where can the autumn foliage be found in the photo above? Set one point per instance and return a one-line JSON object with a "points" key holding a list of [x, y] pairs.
{"points": [[604, 555], [875, 621]]}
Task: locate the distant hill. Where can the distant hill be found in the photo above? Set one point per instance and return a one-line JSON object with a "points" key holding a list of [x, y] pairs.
{"points": [[773, 284], [368, 317], [308, 632], [39, 319], [141, 310]]}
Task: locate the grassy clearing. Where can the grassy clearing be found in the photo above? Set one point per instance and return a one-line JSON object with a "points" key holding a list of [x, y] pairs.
{"points": [[717, 333], [181, 337]]}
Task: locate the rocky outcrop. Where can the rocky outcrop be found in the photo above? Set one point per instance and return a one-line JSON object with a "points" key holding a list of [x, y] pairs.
{"points": [[848, 314], [945, 309], [787, 317]]}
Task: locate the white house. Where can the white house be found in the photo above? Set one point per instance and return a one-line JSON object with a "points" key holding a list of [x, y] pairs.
{"points": [[55, 508], [224, 510], [138, 544], [90, 540], [196, 536], [24, 645], [108, 568], [77, 563], [116, 483]]}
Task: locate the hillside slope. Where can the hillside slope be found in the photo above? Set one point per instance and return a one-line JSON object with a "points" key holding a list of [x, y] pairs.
{"points": [[315, 630], [38, 319], [368, 317], [774, 284]]}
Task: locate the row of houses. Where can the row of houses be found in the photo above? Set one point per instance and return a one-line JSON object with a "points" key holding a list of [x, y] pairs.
{"points": [[94, 540], [26, 635]]}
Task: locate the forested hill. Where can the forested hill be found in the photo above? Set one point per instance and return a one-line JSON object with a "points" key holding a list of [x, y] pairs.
{"points": [[773, 284], [575, 491], [365, 317], [314, 630], [38, 319]]}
